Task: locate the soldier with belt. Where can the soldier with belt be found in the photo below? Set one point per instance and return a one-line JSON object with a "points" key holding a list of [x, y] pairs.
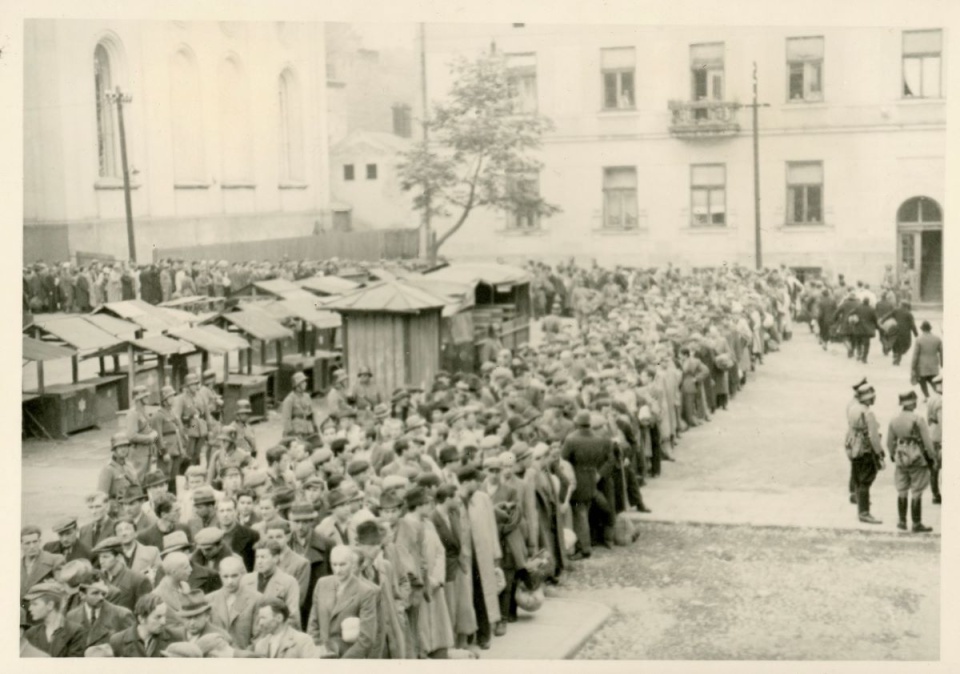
{"points": [[191, 409], [864, 449], [118, 475], [854, 402], [143, 437], [245, 437], [214, 405], [935, 421], [172, 438], [297, 410], [909, 445]]}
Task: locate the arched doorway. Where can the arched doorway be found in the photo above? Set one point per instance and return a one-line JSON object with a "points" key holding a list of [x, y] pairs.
{"points": [[920, 248]]}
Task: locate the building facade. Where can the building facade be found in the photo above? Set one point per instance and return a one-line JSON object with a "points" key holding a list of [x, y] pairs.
{"points": [[651, 157], [225, 134]]}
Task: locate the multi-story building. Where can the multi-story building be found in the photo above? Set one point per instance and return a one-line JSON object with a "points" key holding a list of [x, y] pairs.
{"points": [[651, 157], [225, 134]]}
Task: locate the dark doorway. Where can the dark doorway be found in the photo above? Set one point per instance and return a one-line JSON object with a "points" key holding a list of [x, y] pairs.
{"points": [[931, 266]]}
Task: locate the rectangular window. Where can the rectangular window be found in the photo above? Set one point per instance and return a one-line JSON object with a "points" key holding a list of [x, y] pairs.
{"points": [[805, 193], [922, 52], [620, 198], [805, 68], [402, 120], [618, 67], [522, 74], [348, 171], [708, 195], [706, 67], [371, 171], [523, 190]]}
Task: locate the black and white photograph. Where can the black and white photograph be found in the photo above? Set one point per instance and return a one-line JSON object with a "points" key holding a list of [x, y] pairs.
{"points": [[413, 335]]}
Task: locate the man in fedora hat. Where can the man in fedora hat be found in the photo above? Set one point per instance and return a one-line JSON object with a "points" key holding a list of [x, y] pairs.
{"points": [[864, 449], [296, 412], [246, 440], [52, 633], [935, 422], [172, 437], [118, 475], [911, 449], [143, 436], [233, 608], [191, 408], [129, 586], [67, 543], [204, 509], [155, 483], [195, 614], [97, 618]]}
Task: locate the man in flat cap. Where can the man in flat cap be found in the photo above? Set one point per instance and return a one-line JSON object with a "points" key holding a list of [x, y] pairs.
{"points": [[204, 509], [128, 586], [851, 405], [911, 449], [210, 550], [67, 543], [52, 633]]}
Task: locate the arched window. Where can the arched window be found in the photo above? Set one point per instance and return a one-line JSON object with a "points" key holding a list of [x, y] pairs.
{"points": [[919, 210], [187, 118], [234, 124], [107, 141], [291, 128]]}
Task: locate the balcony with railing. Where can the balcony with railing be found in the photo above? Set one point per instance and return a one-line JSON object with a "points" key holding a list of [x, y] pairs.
{"points": [[703, 119]]}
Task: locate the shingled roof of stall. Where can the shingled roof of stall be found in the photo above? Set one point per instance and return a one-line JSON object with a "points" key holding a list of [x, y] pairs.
{"points": [[387, 297]]}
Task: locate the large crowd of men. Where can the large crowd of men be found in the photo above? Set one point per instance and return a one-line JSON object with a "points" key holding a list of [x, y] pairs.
{"points": [[404, 524]]}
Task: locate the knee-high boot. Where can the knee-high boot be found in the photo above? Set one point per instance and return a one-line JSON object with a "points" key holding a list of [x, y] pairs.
{"points": [[916, 514], [902, 512]]}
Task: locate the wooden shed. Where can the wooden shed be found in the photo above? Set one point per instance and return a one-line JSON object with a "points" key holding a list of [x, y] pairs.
{"points": [[393, 328]]}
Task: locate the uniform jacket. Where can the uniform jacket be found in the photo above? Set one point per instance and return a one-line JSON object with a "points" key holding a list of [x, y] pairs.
{"points": [[297, 415], [861, 419], [905, 426], [78, 551], [43, 569], [281, 585], [588, 454], [293, 644], [935, 416], [171, 431], [90, 541], [110, 620], [115, 479], [192, 412], [127, 644], [927, 355], [357, 599], [67, 641], [240, 620]]}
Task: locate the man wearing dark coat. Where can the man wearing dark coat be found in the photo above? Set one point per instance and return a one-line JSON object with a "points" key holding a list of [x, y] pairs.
{"points": [[588, 454], [826, 311], [845, 321], [865, 329], [905, 332]]}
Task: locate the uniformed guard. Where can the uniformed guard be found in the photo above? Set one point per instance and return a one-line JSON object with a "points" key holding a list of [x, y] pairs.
{"points": [[935, 420], [864, 449], [118, 475], [854, 402], [191, 409], [142, 436], [172, 438], [214, 405], [297, 410], [228, 453], [246, 439], [910, 447], [367, 395]]}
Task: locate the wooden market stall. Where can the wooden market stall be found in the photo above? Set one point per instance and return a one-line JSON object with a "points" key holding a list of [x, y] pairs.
{"points": [[35, 412], [498, 295], [317, 339], [393, 328], [325, 286]]}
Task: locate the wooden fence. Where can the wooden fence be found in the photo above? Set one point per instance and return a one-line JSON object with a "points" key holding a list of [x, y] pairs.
{"points": [[371, 246]]}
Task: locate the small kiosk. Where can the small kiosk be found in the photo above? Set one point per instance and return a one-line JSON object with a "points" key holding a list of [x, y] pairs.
{"points": [[393, 328]]}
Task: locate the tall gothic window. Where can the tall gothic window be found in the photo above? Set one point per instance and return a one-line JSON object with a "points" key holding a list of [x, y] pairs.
{"points": [[291, 128], [187, 116], [107, 141]]}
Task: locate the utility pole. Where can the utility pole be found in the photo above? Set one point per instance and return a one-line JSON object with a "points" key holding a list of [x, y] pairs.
{"points": [[756, 170], [426, 235], [120, 99]]}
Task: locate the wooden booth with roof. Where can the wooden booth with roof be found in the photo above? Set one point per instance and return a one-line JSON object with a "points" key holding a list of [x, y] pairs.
{"points": [[497, 295], [393, 328]]}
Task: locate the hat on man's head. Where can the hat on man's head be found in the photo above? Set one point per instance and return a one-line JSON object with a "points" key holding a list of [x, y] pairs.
{"points": [[415, 496], [255, 478], [47, 588], [368, 533], [65, 524], [521, 451], [415, 421], [449, 454], [191, 379], [204, 496], [336, 498], [132, 494], [365, 370], [109, 544], [194, 604], [154, 478], [173, 542], [489, 442], [908, 398], [298, 378], [283, 496], [467, 473], [390, 500], [357, 466], [208, 536], [167, 392], [381, 411], [244, 407], [140, 392], [303, 512], [860, 384], [582, 419], [119, 440], [428, 480]]}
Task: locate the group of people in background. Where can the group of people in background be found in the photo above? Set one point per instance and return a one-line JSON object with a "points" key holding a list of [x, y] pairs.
{"points": [[399, 524]]}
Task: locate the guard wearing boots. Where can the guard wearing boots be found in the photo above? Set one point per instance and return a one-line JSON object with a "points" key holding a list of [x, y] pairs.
{"points": [[910, 447], [935, 420], [864, 449]]}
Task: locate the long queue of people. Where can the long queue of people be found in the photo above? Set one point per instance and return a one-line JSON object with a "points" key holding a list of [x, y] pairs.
{"points": [[405, 524]]}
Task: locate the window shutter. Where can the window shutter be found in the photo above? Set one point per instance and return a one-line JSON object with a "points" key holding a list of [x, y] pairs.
{"points": [[922, 42], [619, 58], [805, 49]]}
